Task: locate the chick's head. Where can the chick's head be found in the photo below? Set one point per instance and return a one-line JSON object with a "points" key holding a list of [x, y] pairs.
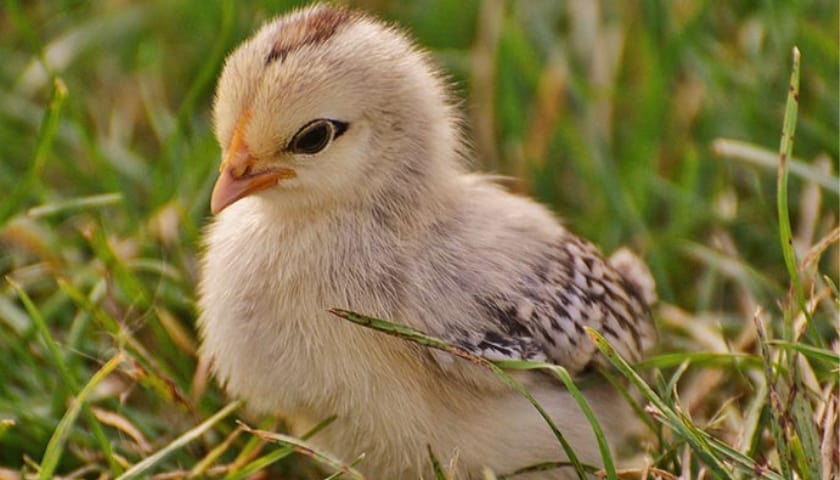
{"points": [[327, 107]]}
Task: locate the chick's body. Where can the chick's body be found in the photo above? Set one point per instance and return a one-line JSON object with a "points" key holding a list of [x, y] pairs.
{"points": [[380, 218]]}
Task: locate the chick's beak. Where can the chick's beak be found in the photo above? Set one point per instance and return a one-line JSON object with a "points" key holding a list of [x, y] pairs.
{"points": [[240, 174]]}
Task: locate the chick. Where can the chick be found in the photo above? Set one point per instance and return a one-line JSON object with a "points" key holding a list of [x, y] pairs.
{"points": [[343, 185]]}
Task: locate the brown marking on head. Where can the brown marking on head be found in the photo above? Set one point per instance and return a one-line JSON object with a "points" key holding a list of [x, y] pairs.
{"points": [[311, 28]]}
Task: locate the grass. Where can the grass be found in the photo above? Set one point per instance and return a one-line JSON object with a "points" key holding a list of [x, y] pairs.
{"points": [[650, 124]]}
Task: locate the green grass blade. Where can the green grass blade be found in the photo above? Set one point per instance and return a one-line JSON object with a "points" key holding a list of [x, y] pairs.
{"points": [[55, 447], [426, 340], [436, 468], [807, 439], [785, 232], [777, 395], [209, 70], [199, 470], [46, 135], [811, 352], [793, 413], [271, 457], [304, 448], [754, 428], [122, 276], [563, 375], [708, 449], [81, 203], [704, 359], [69, 381], [5, 425], [156, 458], [355, 462], [756, 155]]}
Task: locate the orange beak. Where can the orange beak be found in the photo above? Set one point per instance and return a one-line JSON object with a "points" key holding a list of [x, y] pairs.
{"points": [[237, 178]]}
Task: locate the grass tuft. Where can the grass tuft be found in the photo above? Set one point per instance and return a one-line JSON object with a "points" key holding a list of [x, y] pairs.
{"points": [[648, 124]]}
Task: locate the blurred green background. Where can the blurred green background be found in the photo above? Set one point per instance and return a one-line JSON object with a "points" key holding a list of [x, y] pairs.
{"points": [[606, 111]]}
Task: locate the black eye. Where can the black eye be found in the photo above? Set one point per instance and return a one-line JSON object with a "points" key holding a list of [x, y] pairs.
{"points": [[316, 135]]}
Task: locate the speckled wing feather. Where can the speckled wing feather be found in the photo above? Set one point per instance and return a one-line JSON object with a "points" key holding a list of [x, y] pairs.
{"points": [[571, 286]]}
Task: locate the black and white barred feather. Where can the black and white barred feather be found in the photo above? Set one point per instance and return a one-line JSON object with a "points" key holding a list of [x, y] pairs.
{"points": [[542, 316]]}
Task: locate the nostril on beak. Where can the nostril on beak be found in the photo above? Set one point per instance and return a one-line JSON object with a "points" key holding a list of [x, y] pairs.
{"points": [[242, 164]]}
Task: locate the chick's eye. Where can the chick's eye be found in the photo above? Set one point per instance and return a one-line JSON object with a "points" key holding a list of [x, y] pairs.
{"points": [[315, 136]]}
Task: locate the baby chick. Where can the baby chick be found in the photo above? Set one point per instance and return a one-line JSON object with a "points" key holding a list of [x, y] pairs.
{"points": [[343, 185]]}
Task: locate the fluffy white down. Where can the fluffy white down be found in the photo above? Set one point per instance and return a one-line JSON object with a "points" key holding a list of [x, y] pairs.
{"points": [[268, 283], [384, 223]]}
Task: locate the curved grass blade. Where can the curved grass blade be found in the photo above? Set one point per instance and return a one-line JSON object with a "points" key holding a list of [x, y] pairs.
{"points": [[79, 203], [142, 467], [704, 359], [432, 342], [707, 448], [199, 470], [55, 446], [276, 455], [823, 355], [785, 232], [304, 448], [436, 468], [755, 155], [46, 135], [68, 379], [563, 374]]}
